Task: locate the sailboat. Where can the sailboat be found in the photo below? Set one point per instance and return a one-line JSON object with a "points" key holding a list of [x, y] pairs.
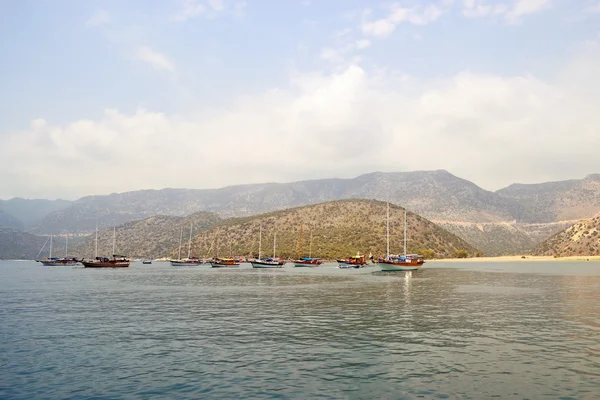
{"points": [[189, 261], [116, 261], [406, 262], [218, 262], [306, 261], [269, 262], [56, 261]]}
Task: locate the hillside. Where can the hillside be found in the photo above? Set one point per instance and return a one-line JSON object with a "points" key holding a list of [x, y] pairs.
{"points": [[9, 221], [28, 212], [555, 201], [152, 237], [433, 194], [18, 245], [580, 239], [339, 229]]}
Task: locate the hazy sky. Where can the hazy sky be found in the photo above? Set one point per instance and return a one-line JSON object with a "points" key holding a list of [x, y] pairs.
{"points": [[109, 96]]}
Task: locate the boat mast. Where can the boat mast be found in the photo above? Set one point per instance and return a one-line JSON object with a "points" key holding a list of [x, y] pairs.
{"points": [[300, 242], [274, 241], [114, 238], [310, 246], [405, 232], [259, 240], [190, 242], [66, 246], [50, 256], [387, 228], [96, 240], [180, 238]]}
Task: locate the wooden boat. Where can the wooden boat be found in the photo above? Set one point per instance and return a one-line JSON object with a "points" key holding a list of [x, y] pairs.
{"points": [[352, 262], [406, 262], [224, 262], [103, 262], [189, 261], [117, 261], [56, 261], [270, 262], [306, 261]]}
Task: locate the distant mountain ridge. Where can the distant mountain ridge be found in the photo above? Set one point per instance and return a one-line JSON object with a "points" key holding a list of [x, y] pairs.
{"points": [[580, 239], [509, 221]]}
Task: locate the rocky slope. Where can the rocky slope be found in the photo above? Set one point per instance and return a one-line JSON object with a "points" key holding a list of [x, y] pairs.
{"points": [[152, 237], [555, 201], [19, 245], [338, 229], [580, 239]]}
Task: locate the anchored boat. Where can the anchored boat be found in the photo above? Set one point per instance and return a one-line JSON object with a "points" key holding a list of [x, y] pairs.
{"points": [[269, 262], [406, 262], [352, 262]]}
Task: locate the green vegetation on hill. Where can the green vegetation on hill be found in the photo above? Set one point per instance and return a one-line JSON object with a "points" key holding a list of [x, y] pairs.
{"points": [[152, 237], [580, 239], [339, 229]]}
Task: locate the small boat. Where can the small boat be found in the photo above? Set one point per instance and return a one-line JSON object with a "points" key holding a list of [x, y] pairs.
{"points": [[409, 262], [56, 261], [147, 262], [406, 262], [353, 262], [187, 262], [104, 262], [224, 262], [270, 262], [306, 261]]}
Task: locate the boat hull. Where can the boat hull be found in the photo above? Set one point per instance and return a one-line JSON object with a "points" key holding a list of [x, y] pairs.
{"points": [[261, 264], [184, 263], [219, 265], [58, 263], [102, 264], [390, 266], [349, 266]]}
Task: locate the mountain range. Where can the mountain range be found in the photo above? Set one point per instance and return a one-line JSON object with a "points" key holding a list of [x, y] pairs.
{"points": [[511, 220]]}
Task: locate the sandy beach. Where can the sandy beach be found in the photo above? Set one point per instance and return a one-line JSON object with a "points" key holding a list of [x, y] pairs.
{"points": [[517, 258]]}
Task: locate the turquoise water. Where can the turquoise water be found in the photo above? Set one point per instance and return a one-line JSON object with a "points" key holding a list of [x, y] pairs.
{"points": [[505, 330]]}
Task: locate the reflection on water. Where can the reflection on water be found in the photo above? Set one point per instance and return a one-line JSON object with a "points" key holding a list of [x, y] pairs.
{"points": [[162, 332]]}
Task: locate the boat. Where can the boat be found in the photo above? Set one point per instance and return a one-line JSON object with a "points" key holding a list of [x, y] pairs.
{"points": [[116, 261], [269, 262], [147, 262], [56, 261], [224, 262], [189, 261], [306, 261], [353, 262], [406, 262]]}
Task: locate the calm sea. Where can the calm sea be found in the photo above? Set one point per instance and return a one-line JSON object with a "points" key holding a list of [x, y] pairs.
{"points": [[472, 331]]}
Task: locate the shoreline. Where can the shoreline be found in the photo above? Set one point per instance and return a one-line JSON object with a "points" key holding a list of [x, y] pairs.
{"points": [[516, 259]]}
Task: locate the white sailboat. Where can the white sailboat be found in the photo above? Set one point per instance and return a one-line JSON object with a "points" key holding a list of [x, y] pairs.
{"points": [[56, 261], [189, 261], [269, 262], [406, 262]]}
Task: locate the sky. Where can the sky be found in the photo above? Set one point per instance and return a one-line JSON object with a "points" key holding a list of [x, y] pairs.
{"points": [[110, 96]]}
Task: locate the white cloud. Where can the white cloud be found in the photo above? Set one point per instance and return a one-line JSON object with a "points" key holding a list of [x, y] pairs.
{"points": [[513, 11], [239, 9], [491, 129], [216, 5], [189, 9], [98, 18], [415, 15], [154, 58], [363, 44], [592, 6]]}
